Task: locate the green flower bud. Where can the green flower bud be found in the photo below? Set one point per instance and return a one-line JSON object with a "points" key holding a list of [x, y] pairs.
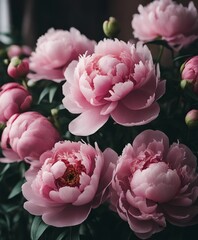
{"points": [[186, 84], [191, 118], [111, 27]]}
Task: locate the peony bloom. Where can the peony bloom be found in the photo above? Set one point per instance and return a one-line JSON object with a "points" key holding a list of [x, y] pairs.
{"points": [[168, 20], [18, 68], [190, 73], [154, 182], [73, 179], [14, 98], [55, 50], [27, 136], [118, 80]]}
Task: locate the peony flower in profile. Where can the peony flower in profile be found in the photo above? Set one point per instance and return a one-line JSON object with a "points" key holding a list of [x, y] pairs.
{"points": [[154, 183], [189, 73], [27, 136], [73, 179], [168, 20], [119, 80], [54, 51], [14, 98]]}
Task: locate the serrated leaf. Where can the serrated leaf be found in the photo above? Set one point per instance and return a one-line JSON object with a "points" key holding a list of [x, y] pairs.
{"points": [[37, 229], [16, 189]]}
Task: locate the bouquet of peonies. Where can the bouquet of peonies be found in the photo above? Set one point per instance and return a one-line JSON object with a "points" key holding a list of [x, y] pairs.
{"points": [[99, 140]]}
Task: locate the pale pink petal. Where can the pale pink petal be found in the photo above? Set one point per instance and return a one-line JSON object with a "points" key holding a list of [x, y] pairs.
{"points": [[69, 194], [58, 169], [126, 117], [88, 122], [34, 209], [66, 216]]}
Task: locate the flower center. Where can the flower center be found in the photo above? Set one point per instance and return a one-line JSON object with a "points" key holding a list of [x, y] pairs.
{"points": [[71, 176], [143, 162]]}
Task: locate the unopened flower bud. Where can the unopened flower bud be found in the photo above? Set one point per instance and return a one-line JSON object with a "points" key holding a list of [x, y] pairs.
{"points": [[189, 72], [191, 118], [14, 51], [54, 111], [18, 68], [111, 27], [186, 84], [17, 51]]}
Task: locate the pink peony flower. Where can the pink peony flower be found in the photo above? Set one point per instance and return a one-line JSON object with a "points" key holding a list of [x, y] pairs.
{"points": [[166, 19], [190, 72], [73, 179], [118, 80], [14, 98], [27, 136], [55, 50], [154, 182], [18, 68]]}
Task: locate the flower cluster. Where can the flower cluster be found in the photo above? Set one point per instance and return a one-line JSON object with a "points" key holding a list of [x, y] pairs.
{"points": [[102, 133]]}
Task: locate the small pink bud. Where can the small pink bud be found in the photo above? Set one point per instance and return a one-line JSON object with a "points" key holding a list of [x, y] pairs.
{"points": [[189, 73], [191, 118], [18, 68], [16, 51]]}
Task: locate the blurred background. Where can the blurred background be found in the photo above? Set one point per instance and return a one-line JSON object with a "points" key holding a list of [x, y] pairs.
{"points": [[30, 19]]}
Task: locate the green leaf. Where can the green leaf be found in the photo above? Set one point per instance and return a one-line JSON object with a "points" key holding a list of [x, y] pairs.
{"points": [[74, 233], [37, 229], [62, 236], [52, 92], [6, 208], [16, 189], [4, 170], [43, 94]]}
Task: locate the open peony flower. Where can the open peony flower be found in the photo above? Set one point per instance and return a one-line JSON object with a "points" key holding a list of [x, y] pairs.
{"points": [[27, 136], [168, 20], [73, 179], [14, 98], [154, 182], [54, 51], [118, 80]]}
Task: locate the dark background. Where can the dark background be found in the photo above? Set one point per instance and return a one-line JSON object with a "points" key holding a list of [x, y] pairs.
{"points": [[32, 18]]}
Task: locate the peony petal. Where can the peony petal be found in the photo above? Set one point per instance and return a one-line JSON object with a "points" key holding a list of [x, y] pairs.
{"points": [[34, 209], [58, 169], [69, 194], [88, 122], [127, 117], [67, 216]]}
